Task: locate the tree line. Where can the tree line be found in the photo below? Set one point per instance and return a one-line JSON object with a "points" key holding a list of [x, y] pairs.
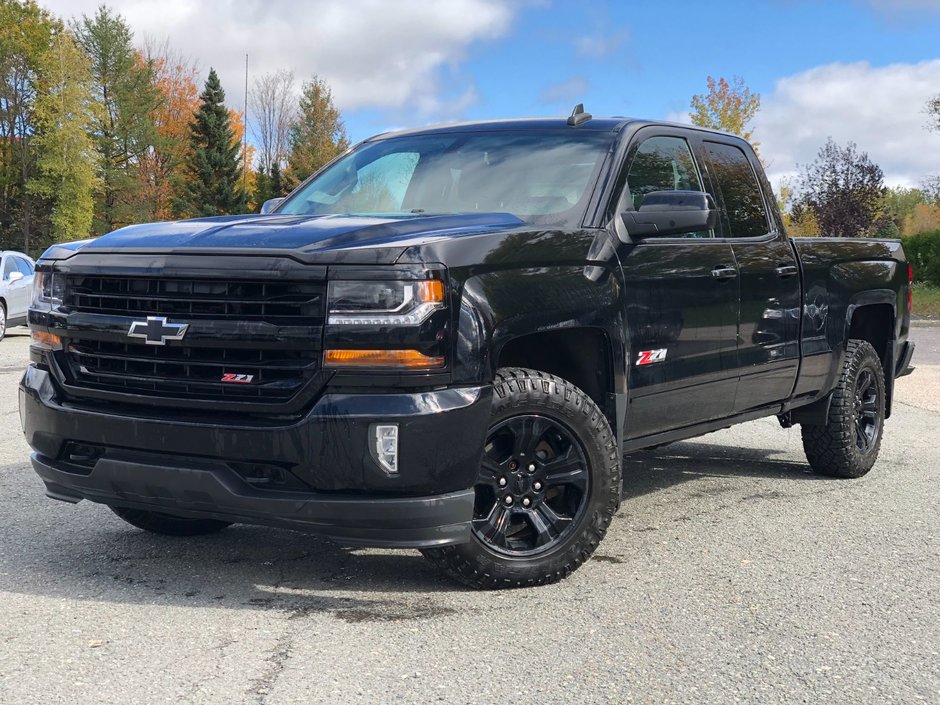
{"points": [[97, 133], [842, 192]]}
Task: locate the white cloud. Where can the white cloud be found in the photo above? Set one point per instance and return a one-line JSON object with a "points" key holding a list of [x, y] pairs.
{"points": [[600, 45], [565, 92], [374, 53], [881, 109]]}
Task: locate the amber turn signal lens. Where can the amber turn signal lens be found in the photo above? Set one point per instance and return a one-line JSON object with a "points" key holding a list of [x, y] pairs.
{"points": [[46, 340], [431, 291], [406, 359]]}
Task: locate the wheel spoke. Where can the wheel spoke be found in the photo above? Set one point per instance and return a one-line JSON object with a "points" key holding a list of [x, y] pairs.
{"points": [[493, 526], [527, 432], [490, 472], [864, 382], [544, 530], [567, 469], [860, 437]]}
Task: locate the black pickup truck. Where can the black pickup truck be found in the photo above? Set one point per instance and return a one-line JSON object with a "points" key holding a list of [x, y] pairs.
{"points": [[447, 338]]}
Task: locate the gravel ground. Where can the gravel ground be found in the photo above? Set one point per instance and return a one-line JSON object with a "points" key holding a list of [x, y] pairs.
{"points": [[730, 574]]}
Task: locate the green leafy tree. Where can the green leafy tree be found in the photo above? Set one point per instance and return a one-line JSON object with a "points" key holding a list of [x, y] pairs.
{"points": [[213, 167], [124, 129], [318, 134], [67, 158], [25, 35], [726, 106]]}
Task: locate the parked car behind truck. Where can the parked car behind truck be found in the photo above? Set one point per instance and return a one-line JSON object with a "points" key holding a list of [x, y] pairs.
{"points": [[448, 338], [16, 289]]}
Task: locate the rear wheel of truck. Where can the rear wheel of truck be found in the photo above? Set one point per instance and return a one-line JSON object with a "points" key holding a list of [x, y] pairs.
{"points": [[547, 489], [848, 445], [167, 524]]}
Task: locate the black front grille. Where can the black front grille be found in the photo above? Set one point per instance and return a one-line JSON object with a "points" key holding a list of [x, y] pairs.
{"points": [[182, 371], [280, 302]]}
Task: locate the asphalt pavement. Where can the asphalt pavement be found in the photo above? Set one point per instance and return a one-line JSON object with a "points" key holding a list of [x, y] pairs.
{"points": [[731, 574]]}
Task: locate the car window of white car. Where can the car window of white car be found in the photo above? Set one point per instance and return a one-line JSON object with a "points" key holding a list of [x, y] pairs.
{"points": [[8, 267], [24, 266]]}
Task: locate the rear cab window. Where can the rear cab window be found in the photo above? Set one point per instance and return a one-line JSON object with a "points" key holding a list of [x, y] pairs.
{"points": [[743, 213]]}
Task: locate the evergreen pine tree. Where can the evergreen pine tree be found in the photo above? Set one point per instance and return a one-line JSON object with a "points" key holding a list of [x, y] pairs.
{"points": [[275, 186], [262, 189], [213, 168]]}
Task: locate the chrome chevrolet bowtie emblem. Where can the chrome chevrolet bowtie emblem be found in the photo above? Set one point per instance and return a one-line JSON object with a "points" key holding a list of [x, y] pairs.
{"points": [[156, 331]]}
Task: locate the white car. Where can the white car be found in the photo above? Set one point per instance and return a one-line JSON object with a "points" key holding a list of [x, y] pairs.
{"points": [[16, 286]]}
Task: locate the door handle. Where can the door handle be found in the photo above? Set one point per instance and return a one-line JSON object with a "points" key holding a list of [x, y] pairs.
{"points": [[722, 272], [787, 270]]}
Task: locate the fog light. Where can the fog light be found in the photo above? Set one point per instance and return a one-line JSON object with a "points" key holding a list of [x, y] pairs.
{"points": [[385, 447], [43, 340]]}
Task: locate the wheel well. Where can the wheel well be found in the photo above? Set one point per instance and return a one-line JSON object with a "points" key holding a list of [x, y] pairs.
{"points": [[875, 324], [579, 355]]}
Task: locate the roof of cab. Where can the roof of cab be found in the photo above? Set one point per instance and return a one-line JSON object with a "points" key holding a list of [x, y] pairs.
{"points": [[521, 124]]}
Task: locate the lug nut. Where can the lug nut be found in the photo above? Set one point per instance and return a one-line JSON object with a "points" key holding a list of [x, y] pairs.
{"points": [[537, 486], [526, 502], [508, 500], [513, 465], [502, 482], [531, 467]]}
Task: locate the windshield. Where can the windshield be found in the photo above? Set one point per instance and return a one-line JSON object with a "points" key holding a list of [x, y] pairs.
{"points": [[539, 176]]}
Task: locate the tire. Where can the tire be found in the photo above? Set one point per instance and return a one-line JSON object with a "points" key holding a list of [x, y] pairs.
{"points": [[847, 446], [3, 320], [167, 524], [550, 449]]}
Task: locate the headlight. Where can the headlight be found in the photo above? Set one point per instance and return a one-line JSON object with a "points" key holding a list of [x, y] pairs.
{"points": [[389, 303], [48, 289]]}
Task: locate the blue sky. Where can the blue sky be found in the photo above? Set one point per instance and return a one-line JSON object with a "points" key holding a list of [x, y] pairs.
{"points": [[858, 70], [647, 58]]}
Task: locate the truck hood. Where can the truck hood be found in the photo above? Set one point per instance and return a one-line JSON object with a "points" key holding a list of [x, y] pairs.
{"points": [[334, 238]]}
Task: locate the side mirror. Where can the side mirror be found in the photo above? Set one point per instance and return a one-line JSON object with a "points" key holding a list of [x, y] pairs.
{"points": [[665, 213], [270, 205], [14, 277]]}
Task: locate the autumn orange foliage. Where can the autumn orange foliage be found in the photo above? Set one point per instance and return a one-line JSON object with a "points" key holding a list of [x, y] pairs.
{"points": [[160, 168]]}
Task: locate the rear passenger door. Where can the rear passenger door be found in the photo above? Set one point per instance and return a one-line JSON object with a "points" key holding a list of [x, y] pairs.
{"points": [[768, 326], [681, 296]]}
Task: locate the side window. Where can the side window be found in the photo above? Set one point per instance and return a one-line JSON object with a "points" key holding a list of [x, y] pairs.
{"points": [[743, 214], [8, 267], [25, 267], [663, 164]]}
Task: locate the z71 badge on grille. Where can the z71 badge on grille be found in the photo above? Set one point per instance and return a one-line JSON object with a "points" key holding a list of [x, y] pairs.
{"points": [[238, 379], [156, 331]]}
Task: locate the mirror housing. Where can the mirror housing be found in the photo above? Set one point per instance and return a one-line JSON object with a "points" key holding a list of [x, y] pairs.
{"points": [[665, 213], [15, 277], [271, 204]]}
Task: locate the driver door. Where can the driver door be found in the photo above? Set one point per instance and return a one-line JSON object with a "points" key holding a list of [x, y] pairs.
{"points": [[682, 301]]}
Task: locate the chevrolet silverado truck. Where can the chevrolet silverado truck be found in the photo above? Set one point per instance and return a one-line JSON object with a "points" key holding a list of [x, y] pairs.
{"points": [[447, 339]]}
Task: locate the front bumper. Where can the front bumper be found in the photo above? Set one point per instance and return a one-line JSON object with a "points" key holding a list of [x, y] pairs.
{"points": [[196, 468]]}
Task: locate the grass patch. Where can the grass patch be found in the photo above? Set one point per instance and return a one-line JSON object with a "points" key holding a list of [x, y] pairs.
{"points": [[926, 301]]}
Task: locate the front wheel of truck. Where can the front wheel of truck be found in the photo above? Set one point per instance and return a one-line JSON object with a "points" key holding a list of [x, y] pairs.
{"points": [[167, 524], [547, 489], [848, 445]]}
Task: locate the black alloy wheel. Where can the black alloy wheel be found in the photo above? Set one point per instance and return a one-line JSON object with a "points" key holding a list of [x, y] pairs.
{"points": [[867, 411], [847, 445], [532, 485], [546, 490]]}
